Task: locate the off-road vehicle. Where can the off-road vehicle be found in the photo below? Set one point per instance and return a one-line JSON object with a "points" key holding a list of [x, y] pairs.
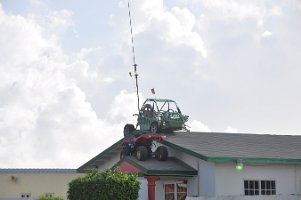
{"points": [[158, 115], [143, 147]]}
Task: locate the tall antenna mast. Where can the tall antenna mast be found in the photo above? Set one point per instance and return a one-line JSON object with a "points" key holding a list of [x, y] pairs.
{"points": [[134, 59]]}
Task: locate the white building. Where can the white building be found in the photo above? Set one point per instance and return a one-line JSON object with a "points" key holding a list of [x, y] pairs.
{"points": [[203, 166], [200, 166]]}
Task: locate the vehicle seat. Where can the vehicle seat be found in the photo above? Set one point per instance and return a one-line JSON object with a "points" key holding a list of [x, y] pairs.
{"points": [[148, 111]]}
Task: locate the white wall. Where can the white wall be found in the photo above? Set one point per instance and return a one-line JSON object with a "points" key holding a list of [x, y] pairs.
{"points": [[207, 182], [36, 184], [193, 182], [143, 192], [160, 188], [230, 181], [277, 197], [186, 158]]}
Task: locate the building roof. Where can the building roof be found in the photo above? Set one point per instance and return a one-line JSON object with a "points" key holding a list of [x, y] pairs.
{"points": [[222, 147], [170, 167], [35, 171], [227, 147], [102, 157]]}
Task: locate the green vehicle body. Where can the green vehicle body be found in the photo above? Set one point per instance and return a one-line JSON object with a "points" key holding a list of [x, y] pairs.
{"points": [[161, 114]]}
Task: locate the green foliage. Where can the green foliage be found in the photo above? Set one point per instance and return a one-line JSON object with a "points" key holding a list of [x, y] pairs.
{"points": [[105, 186], [50, 198]]}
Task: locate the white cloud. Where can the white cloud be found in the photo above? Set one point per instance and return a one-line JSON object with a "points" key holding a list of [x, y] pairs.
{"points": [[35, 2], [84, 52], [59, 21], [266, 34], [230, 129], [45, 118], [66, 105], [124, 107], [235, 9], [21, 41], [276, 11], [175, 26], [198, 126]]}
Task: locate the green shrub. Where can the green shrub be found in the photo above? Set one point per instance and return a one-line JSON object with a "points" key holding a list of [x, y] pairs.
{"points": [[106, 185], [50, 198]]}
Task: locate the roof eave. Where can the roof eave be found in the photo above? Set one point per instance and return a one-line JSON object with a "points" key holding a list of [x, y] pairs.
{"points": [[233, 159], [147, 172], [100, 156]]}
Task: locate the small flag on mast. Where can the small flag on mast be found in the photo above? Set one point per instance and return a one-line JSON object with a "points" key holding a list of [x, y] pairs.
{"points": [[153, 90]]}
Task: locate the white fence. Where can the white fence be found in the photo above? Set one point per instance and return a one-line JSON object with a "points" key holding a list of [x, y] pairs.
{"points": [[272, 197]]}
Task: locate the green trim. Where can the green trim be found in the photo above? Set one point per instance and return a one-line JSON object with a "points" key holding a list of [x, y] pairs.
{"points": [[184, 150], [231, 159], [147, 172], [172, 173], [142, 169], [189, 152], [125, 159], [84, 166], [255, 160]]}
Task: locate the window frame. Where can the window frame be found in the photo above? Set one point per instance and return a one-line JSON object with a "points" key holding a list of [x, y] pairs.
{"points": [[257, 187], [176, 191]]}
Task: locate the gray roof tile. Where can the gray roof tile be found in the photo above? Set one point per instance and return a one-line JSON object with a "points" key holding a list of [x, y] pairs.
{"points": [[238, 145]]}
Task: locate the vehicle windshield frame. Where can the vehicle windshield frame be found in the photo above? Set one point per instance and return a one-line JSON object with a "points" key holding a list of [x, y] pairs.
{"points": [[154, 102]]}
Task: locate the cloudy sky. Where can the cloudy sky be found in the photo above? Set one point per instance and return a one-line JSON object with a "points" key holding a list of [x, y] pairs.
{"points": [[65, 92]]}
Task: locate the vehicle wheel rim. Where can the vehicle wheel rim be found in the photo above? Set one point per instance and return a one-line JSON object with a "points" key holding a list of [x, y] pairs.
{"points": [[153, 129]]}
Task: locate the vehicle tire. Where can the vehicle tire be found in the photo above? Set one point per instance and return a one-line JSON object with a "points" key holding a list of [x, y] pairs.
{"points": [[128, 129], [154, 127], [125, 152], [162, 153], [141, 153]]}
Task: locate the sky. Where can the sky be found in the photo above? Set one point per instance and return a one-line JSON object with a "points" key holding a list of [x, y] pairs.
{"points": [[65, 90]]}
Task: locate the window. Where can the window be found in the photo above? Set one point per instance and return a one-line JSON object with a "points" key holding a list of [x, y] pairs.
{"points": [[251, 187], [259, 187], [268, 187], [175, 191], [169, 191], [25, 195], [181, 191]]}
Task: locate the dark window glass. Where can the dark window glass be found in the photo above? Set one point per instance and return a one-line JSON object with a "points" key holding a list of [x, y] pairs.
{"points": [[268, 187], [181, 196], [273, 185], [256, 185], [263, 187], [246, 184], [262, 184], [169, 196], [251, 185], [268, 184]]}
